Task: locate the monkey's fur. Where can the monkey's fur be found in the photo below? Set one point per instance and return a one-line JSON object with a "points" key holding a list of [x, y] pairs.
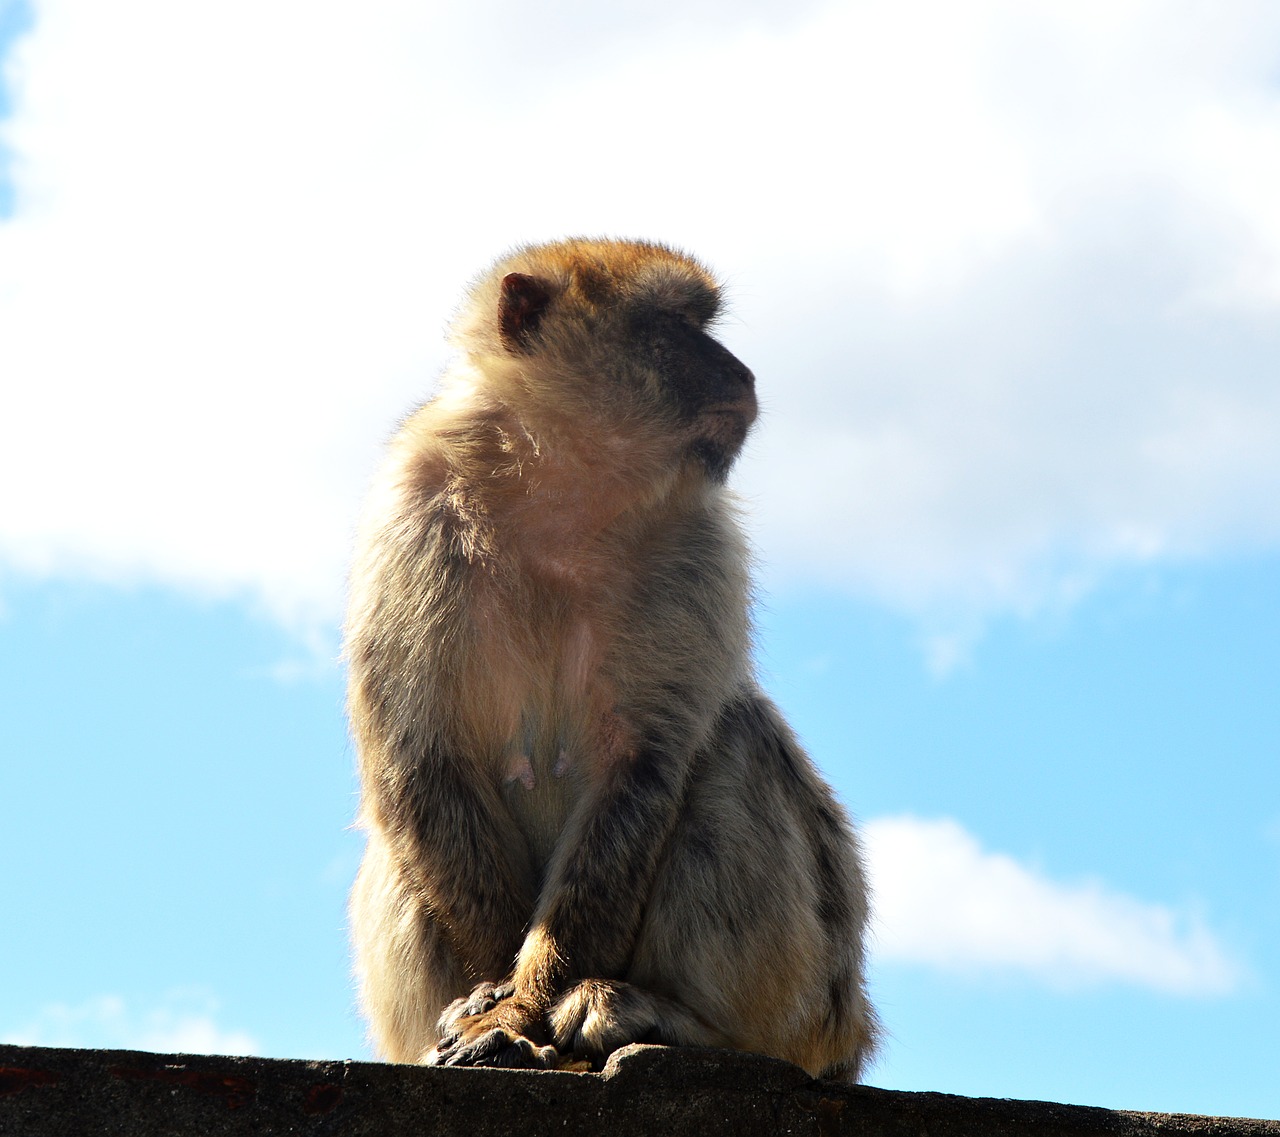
{"points": [[587, 826]]}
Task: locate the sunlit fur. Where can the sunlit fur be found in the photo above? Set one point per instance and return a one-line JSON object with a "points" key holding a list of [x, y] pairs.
{"points": [[577, 800]]}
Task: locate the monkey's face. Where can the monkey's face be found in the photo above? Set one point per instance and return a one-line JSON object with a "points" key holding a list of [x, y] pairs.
{"points": [[705, 387], [635, 359]]}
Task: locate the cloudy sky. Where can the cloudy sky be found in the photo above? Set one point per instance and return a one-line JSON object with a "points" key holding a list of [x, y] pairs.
{"points": [[1009, 277]]}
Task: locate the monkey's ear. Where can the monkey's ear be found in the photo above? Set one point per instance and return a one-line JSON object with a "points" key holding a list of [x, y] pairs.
{"points": [[524, 302]]}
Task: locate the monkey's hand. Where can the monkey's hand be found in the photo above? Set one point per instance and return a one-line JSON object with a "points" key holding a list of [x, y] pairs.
{"points": [[492, 1027]]}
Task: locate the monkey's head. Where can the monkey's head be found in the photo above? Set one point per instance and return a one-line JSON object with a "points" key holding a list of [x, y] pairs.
{"points": [[609, 339]]}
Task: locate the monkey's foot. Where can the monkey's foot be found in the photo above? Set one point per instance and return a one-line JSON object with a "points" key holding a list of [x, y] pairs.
{"points": [[491, 1028], [597, 1016], [496, 1047]]}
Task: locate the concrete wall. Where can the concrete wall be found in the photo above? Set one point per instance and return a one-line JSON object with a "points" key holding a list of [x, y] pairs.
{"points": [[644, 1090]]}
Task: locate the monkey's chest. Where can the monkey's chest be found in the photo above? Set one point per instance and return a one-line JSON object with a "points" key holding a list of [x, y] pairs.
{"points": [[555, 701], [541, 783]]}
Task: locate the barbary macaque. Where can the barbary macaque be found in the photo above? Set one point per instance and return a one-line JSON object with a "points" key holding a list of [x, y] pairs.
{"points": [[587, 825]]}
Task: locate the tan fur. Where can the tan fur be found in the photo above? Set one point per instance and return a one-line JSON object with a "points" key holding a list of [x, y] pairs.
{"points": [[587, 825]]}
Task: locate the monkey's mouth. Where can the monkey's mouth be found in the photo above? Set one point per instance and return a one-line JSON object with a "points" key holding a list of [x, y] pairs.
{"points": [[721, 432], [729, 422]]}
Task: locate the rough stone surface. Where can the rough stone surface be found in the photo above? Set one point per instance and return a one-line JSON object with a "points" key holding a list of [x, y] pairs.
{"points": [[644, 1091]]}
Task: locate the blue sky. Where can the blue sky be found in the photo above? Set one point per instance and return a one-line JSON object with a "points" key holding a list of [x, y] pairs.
{"points": [[1009, 279]]}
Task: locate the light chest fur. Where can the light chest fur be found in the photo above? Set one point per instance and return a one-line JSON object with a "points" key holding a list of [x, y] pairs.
{"points": [[526, 676]]}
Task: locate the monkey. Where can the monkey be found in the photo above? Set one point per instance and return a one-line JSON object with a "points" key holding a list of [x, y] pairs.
{"points": [[586, 824]]}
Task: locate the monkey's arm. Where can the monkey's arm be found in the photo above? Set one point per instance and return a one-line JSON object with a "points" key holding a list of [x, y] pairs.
{"points": [[446, 826], [447, 832], [590, 910]]}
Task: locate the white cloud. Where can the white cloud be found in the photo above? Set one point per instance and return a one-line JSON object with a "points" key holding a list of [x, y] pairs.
{"points": [[943, 901], [1009, 274], [182, 1022]]}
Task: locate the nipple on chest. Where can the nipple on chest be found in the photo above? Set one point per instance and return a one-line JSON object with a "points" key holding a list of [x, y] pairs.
{"points": [[519, 769]]}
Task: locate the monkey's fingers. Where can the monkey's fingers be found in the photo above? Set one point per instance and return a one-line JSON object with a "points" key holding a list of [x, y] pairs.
{"points": [[496, 1047], [484, 997], [524, 1054]]}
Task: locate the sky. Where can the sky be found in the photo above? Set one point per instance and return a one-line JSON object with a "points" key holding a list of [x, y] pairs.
{"points": [[1008, 275]]}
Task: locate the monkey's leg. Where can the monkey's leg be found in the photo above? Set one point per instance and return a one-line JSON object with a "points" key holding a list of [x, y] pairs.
{"points": [[405, 967], [756, 920]]}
